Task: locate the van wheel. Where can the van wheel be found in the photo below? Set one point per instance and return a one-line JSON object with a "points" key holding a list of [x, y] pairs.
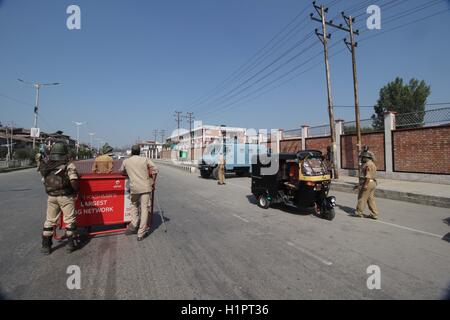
{"points": [[263, 202], [205, 174], [215, 173]]}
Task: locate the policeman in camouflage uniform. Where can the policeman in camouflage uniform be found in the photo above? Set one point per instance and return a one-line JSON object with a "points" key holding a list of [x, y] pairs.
{"points": [[367, 186], [61, 184]]}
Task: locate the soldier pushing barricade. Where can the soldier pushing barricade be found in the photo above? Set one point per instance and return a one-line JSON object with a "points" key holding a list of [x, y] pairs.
{"points": [[103, 163], [140, 171], [61, 184]]}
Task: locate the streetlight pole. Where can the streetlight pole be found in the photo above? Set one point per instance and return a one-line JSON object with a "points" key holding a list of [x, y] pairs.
{"points": [[78, 124], [91, 135], [37, 86]]}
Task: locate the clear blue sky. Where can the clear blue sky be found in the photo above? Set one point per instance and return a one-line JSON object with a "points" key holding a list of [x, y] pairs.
{"points": [[134, 62]]}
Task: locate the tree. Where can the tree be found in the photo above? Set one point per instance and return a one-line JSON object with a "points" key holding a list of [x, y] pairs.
{"points": [[402, 98]]}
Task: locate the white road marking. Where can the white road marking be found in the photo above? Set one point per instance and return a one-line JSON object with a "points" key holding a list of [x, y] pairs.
{"points": [[410, 229], [325, 262], [239, 217]]}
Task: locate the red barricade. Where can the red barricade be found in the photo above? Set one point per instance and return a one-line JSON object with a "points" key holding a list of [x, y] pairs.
{"points": [[103, 200]]}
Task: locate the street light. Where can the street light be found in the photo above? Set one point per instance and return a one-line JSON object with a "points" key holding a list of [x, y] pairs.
{"points": [[78, 124], [100, 141], [91, 134], [37, 86]]}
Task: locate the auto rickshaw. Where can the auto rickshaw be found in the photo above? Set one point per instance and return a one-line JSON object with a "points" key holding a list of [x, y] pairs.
{"points": [[300, 180]]}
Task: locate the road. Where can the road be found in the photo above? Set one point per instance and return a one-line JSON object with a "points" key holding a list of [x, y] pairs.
{"points": [[220, 245]]}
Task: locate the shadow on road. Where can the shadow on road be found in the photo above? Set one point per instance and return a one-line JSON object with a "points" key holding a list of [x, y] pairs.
{"points": [[157, 221], [16, 190], [252, 199], [227, 176], [348, 210], [3, 295], [285, 208]]}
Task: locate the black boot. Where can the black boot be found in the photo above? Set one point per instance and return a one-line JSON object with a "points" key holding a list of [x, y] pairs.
{"points": [[72, 244], [46, 245], [131, 230]]}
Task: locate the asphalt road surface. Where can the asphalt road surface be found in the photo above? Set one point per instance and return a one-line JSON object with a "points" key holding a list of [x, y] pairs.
{"points": [[220, 245]]}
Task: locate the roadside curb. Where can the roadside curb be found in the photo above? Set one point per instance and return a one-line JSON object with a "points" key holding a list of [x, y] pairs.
{"points": [[184, 167], [427, 200], [15, 169]]}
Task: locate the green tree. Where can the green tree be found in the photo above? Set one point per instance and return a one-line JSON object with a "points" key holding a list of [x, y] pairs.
{"points": [[402, 98]]}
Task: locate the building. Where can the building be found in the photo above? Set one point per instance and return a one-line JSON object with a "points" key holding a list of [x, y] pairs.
{"points": [[151, 149], [190, 145]]}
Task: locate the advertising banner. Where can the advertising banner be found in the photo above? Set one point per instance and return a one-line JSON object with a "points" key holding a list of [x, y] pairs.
{"points": [[103, 201]]}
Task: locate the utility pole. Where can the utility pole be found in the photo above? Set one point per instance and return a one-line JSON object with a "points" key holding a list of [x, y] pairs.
{"points": [[91, 135], [78, 124], [190, 117], [178, 120], [155, 133], [324, 37], [163, 132], [349, 20], [12, 140], [37, 86]]}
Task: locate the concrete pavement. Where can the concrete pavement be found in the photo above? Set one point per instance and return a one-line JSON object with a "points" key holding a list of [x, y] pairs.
{"points": [[220, 245]]}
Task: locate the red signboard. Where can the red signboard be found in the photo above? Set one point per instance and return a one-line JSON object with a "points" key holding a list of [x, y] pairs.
{"points": [[102, 200]]}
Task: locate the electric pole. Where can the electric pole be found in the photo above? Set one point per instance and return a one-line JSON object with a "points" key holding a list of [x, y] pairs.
{"points": [[12, 139], [324, 37], [349, 20], [37, 86], [178, 120], [163, 132], [91, 134], [155, 133], [190, 117], [78, 124]]}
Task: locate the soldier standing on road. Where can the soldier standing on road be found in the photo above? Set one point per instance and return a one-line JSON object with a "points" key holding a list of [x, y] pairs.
{"points": [[61, 184], [139, 170], [221, 166], [367, 186], [103, 163]]}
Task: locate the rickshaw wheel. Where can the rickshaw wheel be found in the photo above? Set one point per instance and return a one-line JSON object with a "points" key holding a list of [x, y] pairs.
{"points": [[263, 202], [329, 214]]}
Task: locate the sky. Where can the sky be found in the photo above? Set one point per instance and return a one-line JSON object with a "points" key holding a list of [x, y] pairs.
{"points": [[133, 63]]}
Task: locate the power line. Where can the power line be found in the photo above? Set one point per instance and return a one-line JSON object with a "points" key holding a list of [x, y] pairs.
{"points": [[227, 96], [237, 102], [239, 74]]}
